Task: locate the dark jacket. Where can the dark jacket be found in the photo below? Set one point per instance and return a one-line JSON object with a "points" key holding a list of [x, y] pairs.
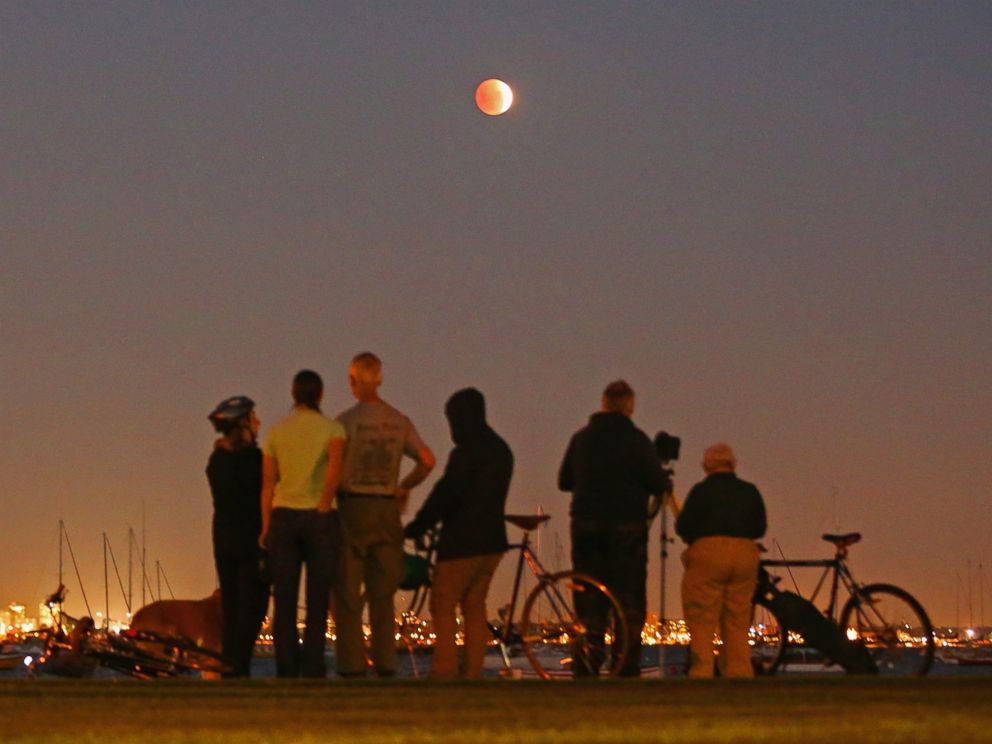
{"points": [[470, 497], [235, 479], [722, 505], [611, 468]]}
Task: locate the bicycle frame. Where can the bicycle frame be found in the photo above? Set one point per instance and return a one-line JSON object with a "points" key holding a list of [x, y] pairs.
{"points": [[505, 636], [835, 567]]}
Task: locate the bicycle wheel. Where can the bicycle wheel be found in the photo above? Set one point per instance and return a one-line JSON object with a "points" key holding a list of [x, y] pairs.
{"points": [[769, 638], [194, 658], [111, 653], [554, 636], [183, 654], [415, 600], [893, 626]]}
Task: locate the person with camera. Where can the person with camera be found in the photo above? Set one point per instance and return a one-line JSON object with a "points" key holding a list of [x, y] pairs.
{"points": [[612, 469], [720, 521]]}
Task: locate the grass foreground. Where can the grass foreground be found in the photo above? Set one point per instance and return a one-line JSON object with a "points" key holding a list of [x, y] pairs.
{"points": [[943, 710]]}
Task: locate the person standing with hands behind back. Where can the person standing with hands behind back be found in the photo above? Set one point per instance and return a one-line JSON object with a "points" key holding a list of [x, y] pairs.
{"points": [[720, 520], [371, 498], [301, 472]]}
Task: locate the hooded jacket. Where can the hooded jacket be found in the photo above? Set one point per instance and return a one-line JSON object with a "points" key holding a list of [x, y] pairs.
{"points": [[470, 497], [611, 468]]}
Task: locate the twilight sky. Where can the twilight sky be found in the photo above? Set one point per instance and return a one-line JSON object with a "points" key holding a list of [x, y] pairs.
{"points": [[774, 219]]}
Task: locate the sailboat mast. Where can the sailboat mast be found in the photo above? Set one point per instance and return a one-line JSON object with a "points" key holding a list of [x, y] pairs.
{"points": [[144, 555], [130, 562], [106, 585], [61, 530]]}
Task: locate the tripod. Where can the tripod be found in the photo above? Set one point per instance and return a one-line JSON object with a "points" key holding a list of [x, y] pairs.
{"points": [[667, 499]]}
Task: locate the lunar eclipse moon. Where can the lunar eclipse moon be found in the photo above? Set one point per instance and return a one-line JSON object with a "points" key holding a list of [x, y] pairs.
{"points": [[493, 97]]}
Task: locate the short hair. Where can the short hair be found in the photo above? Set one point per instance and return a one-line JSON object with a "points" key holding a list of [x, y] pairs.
{"points": [[367, 367], [308, 389], [618, 396], [719, 458]]}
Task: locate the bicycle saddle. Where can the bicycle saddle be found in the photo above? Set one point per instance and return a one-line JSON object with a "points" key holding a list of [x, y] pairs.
{"points": [[842, 541], [527, 521]]}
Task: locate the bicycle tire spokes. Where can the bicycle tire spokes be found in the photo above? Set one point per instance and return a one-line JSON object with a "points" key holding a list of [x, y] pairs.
{"points": [[572, 623], [893, 627], [175, 652]]}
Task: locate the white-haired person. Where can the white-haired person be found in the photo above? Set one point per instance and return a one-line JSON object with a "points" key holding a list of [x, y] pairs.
{"points": [[720, 520], [371, 497]]}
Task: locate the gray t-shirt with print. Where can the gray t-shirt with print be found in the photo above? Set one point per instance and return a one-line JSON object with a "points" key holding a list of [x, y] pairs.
{"points": [[378, 437]]}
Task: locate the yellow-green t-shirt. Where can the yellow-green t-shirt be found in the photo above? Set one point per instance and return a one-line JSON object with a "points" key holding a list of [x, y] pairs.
{"points": [[298, 444]]}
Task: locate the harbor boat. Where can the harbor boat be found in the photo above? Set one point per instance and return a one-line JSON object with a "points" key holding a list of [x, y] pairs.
{"points": [[969, 656], [10, 661]]}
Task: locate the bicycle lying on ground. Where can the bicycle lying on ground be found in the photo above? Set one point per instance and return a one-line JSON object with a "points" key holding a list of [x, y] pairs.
{"points": [[550, 633], [880, 619], [75, 648]]}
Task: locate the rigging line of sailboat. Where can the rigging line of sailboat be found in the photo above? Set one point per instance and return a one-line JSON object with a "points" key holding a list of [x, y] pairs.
{"points": [[64, 535]]}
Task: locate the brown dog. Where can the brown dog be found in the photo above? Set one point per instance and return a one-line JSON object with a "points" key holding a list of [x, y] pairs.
{"points": [[200, 620]]}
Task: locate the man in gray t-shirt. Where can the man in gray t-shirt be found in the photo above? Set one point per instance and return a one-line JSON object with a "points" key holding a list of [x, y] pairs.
{"points": [[378, 437], [370, 499]]}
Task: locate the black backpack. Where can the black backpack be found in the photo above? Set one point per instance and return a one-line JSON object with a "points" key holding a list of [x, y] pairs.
{"points": [[820, 632]]}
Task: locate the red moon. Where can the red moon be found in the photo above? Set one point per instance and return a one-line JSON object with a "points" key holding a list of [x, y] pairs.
{"points": [[493, 97]]}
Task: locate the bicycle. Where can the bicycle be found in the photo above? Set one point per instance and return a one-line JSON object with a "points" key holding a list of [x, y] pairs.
{"points": [[886, 620], [74, 647], [550, 632]]}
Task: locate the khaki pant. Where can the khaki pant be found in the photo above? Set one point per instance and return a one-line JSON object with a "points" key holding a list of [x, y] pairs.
{"points": [[371, 554], [464, 582], [717, 592]]}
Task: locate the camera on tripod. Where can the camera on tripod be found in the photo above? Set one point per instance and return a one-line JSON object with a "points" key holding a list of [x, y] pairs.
{"points": [[667, 447]]}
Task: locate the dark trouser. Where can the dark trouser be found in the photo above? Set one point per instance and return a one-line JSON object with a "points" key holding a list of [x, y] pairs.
{"points": [[617, 555], [298, 536], [244, 600]]}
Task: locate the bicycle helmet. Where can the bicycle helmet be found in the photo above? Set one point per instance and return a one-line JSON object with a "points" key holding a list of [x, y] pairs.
{"points": [[229, 412]]}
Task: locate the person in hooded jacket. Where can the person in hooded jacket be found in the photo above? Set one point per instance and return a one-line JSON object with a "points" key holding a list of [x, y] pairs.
{"points": [[612, 469], [234, 472], [469, 502]]}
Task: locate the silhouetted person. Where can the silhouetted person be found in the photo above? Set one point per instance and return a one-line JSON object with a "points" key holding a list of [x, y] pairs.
{"points": [[302, 469], [371, 499], [720, 520], [469, 502], [234, 472], [611, 467]]}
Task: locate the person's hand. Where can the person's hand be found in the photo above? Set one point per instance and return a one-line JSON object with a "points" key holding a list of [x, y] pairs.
{"points": [[402, 498], [261, 540]]}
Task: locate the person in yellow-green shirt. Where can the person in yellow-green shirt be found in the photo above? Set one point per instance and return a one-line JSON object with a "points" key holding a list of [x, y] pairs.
{"points": [[301, 469]]}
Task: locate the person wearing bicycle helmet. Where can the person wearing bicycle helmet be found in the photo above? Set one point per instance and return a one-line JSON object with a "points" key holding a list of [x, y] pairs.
{"points": [[234, 473], [720, 520]]}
